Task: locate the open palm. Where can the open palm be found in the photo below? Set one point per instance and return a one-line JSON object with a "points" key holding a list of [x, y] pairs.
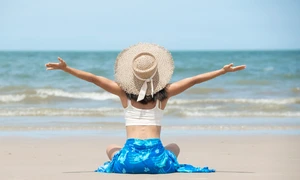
{"points": [[61, 65], [231, 68]]}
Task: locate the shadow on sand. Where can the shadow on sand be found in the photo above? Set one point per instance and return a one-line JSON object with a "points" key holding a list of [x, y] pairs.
{"points": [[242, 172], [246, 172], [79, 172]]}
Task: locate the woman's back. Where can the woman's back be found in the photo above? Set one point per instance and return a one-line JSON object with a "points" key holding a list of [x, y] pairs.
{"points": [[143, 121]]}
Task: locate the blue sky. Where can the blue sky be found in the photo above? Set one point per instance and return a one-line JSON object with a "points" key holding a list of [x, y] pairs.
{"points": [[177, 25]]}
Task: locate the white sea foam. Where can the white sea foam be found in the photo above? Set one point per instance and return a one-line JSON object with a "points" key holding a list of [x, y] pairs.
{"points": [[241, 114], [12, 98], [38, 95], [108, 112], [42, 94], [61, 112], [244, 101], [75, 95]]}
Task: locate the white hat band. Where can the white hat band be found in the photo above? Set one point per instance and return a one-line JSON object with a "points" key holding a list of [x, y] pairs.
{"points": [[144, 87]]}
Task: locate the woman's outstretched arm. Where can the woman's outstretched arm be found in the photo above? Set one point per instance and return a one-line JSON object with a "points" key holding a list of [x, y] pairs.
{"points": [[182, 85], [102, 82]]}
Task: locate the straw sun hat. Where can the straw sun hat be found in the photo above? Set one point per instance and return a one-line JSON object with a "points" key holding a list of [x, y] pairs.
{"points": [[143, 69]]}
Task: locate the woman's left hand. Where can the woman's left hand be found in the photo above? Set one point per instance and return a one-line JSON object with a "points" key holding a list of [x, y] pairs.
{"points": [[61, 65], [231, 68]]}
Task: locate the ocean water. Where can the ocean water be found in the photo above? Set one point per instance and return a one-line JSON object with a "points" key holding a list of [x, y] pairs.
{"points": [[32, 98]]}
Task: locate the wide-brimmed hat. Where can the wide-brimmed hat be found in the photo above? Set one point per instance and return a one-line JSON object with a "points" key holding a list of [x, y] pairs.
{"points": [[144, 69]]}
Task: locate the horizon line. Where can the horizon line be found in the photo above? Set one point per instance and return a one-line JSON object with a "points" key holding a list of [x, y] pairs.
{"points": [[119, 50]]}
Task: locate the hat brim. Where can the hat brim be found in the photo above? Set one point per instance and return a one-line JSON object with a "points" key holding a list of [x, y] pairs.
{"points": [[123, 68]]}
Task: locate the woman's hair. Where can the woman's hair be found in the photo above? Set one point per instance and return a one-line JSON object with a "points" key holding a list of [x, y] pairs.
{"points": [[160, 95]]}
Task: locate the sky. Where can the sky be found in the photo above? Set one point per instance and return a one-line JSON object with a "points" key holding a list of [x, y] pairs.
{"points": [[175, 24]]}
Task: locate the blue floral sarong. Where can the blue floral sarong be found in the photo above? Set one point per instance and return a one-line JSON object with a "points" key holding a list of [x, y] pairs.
{"points": [[147, 157]]}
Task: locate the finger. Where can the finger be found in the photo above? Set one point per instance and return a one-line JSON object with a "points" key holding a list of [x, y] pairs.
{"points": [[237, 68], [47, 65], [51, 64], [60, 59], [50, 68], [230, 65], [241, 66]]}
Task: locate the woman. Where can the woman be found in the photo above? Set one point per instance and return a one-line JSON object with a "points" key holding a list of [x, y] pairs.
{"points": [[142, 75]]}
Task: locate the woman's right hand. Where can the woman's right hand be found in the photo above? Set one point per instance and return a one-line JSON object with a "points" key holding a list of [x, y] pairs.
{"points": [[61, 65]]}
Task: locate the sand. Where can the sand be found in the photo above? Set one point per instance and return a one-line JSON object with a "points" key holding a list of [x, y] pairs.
{"points": [[234, 157]]}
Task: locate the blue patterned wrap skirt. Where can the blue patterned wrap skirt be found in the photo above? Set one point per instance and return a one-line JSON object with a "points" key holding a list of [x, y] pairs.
{"points": [[147, 156]]}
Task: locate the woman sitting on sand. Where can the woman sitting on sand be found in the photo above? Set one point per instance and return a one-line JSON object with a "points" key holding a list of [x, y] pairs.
{"points": [[142, 74]]}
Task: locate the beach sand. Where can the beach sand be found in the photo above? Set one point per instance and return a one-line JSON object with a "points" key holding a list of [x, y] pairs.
{"points": [[234, 157]]}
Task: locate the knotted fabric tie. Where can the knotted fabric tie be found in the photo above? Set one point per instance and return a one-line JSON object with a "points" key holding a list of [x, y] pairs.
{"points": [[144, 87]]}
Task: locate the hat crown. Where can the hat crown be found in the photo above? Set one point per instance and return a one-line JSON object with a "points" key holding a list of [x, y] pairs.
{"points": [[143, 62], [144, 65]]}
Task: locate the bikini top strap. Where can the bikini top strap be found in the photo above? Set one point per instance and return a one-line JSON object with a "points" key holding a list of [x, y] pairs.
{"points": [[158, 104], [128, 102]]}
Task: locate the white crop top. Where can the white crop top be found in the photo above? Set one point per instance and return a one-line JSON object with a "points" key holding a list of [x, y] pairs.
{"points": [[135, 116]]}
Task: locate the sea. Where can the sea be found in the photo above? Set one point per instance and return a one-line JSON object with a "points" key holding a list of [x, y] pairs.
{"points": [[263, 98]]}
